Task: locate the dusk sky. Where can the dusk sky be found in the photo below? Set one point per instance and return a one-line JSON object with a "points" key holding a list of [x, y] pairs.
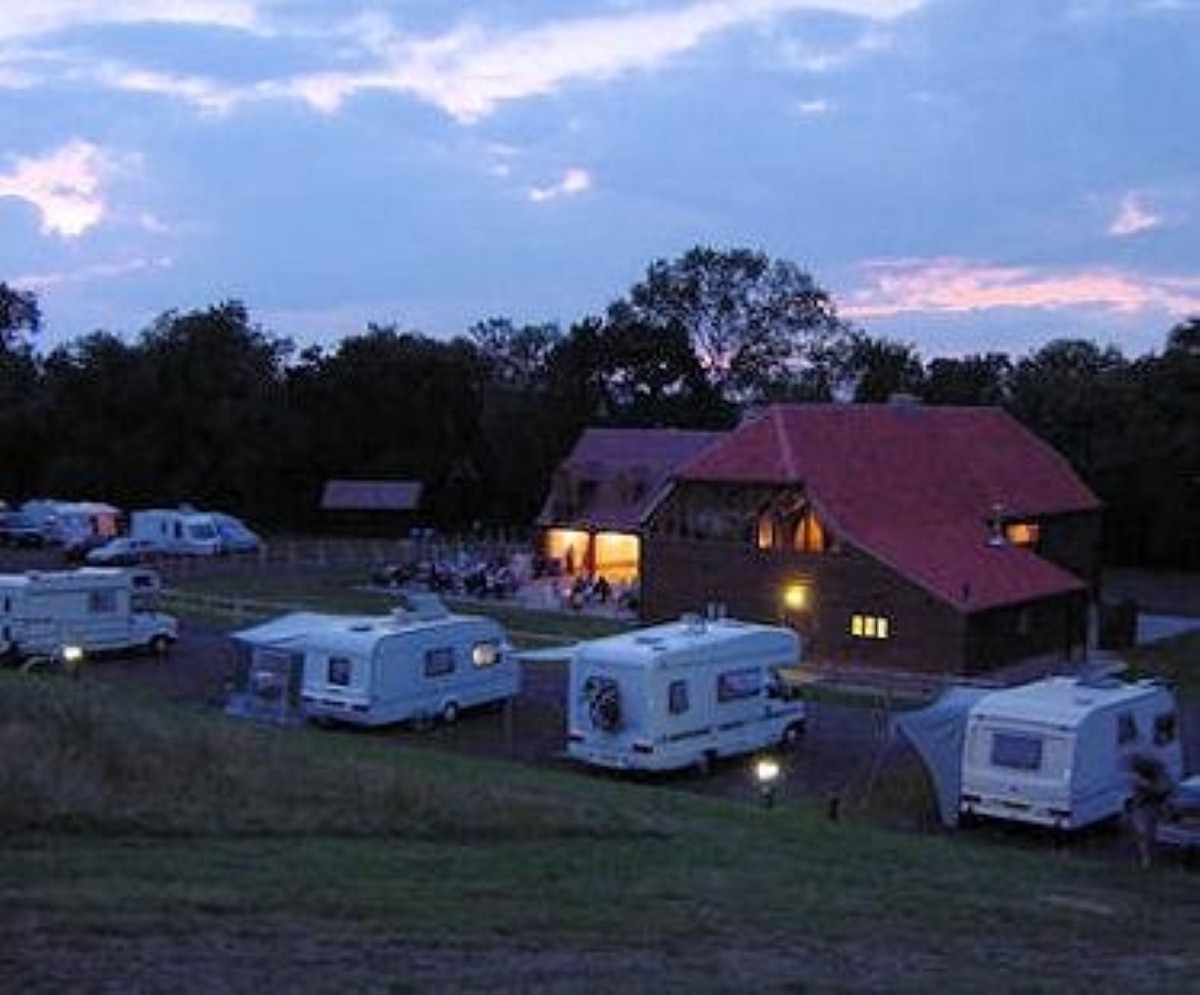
{"points": [[962, 175]]}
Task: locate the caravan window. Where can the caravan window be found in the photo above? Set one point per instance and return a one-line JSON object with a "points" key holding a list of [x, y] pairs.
{"points": [[339, 671], [439, 662], [734, 685], [485, 654], [1127, 730], [1164, 729], [1015, 751], [102, 602], [677, 697]]}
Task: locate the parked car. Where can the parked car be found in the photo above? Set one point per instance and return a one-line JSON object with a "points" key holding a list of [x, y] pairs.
{"points": [[1180, 822], [123, 551], [19, 529]]}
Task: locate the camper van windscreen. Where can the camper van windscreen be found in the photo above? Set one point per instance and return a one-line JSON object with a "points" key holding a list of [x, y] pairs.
{"points": [[1016, 751]]}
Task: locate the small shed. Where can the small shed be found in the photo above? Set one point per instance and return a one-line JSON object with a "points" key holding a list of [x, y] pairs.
{"points": [[371, 507]]}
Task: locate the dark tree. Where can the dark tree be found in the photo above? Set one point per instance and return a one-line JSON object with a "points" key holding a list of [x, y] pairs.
{"points": [[881, 369], [19, 311], [758, 328], [972, 380], [515, 357]]}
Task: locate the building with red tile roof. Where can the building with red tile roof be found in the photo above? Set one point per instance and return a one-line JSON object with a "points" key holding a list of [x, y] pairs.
{"points": [[591, 519], [931, 538]]}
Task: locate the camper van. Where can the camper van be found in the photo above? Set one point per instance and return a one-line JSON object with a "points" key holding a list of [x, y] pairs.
{"points": [[418, 663], [681, 694], [188, 532], [94, 609], [1057, 752]]}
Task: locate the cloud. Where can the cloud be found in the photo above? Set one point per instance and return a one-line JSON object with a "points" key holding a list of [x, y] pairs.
{"points": [[467, 71], [101, 271], [574, 181], [43, 17], [64, 186], [1133, 217], [813, 108], [957, 286]]}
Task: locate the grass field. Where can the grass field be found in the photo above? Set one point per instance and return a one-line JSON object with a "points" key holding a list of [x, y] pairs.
{"points": [[155, 847]]}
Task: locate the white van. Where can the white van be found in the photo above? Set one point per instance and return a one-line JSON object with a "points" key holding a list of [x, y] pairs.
{"points": [[414, 664], [94, 609], [681, 694], [176, 531], [1057, 752]]}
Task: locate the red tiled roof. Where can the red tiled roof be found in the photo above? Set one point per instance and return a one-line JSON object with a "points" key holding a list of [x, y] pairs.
{"points": [[607, 456], [915, 486]]}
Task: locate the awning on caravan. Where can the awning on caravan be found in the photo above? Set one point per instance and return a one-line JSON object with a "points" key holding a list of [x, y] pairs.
{"points": [[280, 629], [937, 733]]}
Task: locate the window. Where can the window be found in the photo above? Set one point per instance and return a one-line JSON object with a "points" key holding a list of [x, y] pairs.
{"points": [[339, 670], [809, 536], [439, 662], [102, 602], [734, 685], [869, 627], [486, 654], [677, 697], [1022, 533], [765, 533], [1164, 729], [1016, 752], [1127, 730]]}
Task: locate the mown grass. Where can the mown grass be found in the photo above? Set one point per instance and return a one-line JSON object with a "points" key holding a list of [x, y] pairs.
{"points": [[129, 824]]}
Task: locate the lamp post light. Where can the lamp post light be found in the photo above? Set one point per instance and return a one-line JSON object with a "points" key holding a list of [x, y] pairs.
{"points": [[766, 774]]}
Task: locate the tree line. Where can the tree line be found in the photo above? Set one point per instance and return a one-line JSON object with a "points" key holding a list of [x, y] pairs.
{"points": [[207, 407]]}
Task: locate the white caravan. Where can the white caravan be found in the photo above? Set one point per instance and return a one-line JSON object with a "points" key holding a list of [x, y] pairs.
{"points": [[414, 664], [1057, 752], [681, 693], [94, 609]]}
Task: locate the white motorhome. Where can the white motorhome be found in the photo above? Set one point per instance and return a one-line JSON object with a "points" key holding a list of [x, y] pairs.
{"points": [[680, 694], [182, 531], [1057, 752], [94, 609], [415, 664]]}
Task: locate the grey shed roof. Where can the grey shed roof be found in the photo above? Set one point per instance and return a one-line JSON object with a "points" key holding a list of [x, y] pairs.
{"points": [[371, 495]]}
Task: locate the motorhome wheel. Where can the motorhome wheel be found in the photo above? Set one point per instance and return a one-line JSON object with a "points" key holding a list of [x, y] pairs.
{"points": [[160, 645]]}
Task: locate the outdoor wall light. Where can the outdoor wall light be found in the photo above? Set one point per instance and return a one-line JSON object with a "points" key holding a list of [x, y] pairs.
{"points": [[795, 597]]}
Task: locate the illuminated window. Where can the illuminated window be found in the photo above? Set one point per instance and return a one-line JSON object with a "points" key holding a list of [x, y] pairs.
{"points": [[1022, 533], [809, 536], [765, 537], [869, 627]]}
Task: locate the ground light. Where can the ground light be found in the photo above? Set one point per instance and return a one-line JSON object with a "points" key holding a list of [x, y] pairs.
{"points": [[766, 775], [72, 658]]}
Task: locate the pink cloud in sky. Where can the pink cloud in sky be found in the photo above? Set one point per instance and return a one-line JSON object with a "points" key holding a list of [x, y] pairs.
{"points": [[1133, 216], [907, 286]]}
